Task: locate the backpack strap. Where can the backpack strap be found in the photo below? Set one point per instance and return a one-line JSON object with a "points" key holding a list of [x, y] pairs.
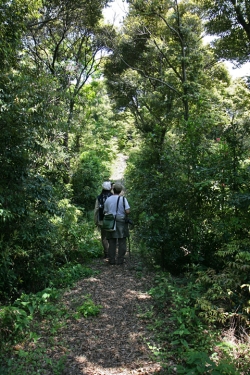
{"points": [[102, 197], [117, 204]]}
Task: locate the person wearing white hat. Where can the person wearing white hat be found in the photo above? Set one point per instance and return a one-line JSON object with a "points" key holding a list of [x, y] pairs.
{"points": [[98, 214], [119, 207]]}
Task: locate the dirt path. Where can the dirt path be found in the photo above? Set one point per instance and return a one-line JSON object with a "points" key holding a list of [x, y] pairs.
{"points": [[119, 167], [115, 341]]}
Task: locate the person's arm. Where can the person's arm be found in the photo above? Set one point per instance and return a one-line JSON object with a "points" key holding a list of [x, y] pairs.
{"points": [[126, 206]]}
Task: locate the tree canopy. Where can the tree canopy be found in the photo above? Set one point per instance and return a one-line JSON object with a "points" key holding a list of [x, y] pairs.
{"points": [[229, 22], [75, 92]]}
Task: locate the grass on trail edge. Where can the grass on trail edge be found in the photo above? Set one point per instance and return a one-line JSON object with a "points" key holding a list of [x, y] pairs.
{"points": [[181, 341]]}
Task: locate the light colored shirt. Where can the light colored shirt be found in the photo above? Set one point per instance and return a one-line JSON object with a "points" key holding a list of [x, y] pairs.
{"points": [[111, 203]]}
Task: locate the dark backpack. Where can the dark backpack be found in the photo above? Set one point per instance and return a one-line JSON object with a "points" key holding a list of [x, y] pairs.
{"points": [[101, 199]]}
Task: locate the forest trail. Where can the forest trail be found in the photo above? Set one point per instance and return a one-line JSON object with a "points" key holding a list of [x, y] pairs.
{"points": [[115, 341], [119, 167]]}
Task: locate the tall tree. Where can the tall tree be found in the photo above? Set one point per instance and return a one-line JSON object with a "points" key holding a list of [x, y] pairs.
{"points": [[66, 41], [13, 18], [48, 55], [230, 21], [158, 62], [166, 77]]}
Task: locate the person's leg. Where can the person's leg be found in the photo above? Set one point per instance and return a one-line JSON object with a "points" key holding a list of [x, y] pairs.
{"points": [[112, 250], [105, 243], [122, 248]]}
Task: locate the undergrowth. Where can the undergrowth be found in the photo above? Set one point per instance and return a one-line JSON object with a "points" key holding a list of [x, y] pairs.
{"points": [[29, 326], [185, 342], [88, 308]]}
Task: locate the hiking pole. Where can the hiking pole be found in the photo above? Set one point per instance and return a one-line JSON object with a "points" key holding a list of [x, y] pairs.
{"points": [[129, 247]]}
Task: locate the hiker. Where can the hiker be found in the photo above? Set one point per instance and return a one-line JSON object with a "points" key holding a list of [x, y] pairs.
{"points": [[122, 230], [98, 214]]}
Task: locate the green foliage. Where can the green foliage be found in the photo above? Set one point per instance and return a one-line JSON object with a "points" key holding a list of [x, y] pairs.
{"points": [[40, 303], [161, 227], [14, 323], [190, 196], [38, 233], [33, 362], [16, 319], [188, 184], [182, 336], [176, 182], [228, 20], [88, 308], [200, 363], [28, 198], [12, 21], [75, 234], [227, 292], [87, 178], [68, 274], [32, 266]]}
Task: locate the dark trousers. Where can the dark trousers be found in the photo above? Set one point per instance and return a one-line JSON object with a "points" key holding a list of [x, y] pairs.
{"points": [[122, 247]]}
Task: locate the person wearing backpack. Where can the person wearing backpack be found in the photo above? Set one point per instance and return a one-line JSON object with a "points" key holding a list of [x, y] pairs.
{"points": [[99, 214], [117, 205]]}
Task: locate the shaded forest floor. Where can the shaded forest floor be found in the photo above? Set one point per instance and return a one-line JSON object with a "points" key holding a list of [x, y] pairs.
{"points": [[126, 330], [115, 341]]}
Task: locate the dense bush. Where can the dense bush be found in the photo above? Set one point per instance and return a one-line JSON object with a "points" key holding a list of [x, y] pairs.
{"points": [[32, 256], [186, 215], [183, 339], [155, 189], [87, 179]]}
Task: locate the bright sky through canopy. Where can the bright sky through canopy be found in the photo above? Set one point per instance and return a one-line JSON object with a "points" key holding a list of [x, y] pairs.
{"points": [[238, 72], [115, 12]]}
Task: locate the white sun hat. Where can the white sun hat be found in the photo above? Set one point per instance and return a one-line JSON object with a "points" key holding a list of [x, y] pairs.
{"points": [[106, 185]]}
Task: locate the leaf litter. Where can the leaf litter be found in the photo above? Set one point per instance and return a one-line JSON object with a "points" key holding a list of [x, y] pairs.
{"points": [[115, 341]]}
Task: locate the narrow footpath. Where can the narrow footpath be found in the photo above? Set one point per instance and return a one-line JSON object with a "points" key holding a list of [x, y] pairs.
{"points": [[119, 167], [115, 341]]}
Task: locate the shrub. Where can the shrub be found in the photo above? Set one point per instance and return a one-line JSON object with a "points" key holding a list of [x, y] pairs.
{"points": [[88, 308], [87, 179]]}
